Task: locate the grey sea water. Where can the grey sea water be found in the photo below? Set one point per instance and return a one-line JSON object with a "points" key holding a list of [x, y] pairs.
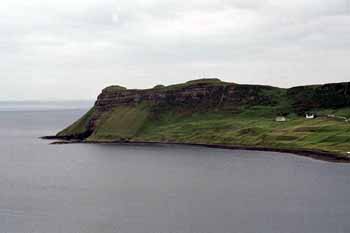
{"points": [[157, 189]]}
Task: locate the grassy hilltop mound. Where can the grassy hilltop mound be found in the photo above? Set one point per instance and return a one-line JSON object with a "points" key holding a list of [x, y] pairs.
{"points": [[209, 111]]}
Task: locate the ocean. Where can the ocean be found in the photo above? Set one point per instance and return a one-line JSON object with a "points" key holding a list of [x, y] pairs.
{"points": [[86, 188]]}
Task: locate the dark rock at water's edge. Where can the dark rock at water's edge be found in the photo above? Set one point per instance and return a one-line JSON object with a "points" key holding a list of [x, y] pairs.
{"points": [[61, 140], [313, 154]]}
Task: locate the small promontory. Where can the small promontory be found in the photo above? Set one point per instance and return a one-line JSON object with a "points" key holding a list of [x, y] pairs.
{"points": [[217, 113]]}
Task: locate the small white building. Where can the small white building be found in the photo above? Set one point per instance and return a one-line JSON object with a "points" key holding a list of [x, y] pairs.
{"points": [[310, 116], [281, 119]]}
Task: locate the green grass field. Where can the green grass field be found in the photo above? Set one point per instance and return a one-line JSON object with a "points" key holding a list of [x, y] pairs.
{"points": [[242, 129], [255, 127]]}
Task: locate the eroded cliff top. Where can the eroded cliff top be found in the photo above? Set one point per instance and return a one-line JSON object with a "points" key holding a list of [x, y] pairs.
{"points": [[161, 87]]}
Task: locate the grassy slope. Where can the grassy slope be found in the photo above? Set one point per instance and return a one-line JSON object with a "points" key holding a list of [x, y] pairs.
{"points": [[79, 127], [118, 124], [252, 127], [344, 112], [121, 123], [249, 130]]}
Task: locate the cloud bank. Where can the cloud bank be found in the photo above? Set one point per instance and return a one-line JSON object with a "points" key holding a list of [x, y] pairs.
{"points": [[62, 49]]}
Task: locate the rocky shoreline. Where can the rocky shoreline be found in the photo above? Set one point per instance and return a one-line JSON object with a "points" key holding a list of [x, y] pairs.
{"points": [[314, 154]]}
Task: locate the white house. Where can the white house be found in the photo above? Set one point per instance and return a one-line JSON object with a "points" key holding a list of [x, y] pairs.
{"points": [[310, 116], [281, 119]]}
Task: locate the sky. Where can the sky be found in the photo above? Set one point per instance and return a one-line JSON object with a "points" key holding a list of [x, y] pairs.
{"points": [[71, 49]]}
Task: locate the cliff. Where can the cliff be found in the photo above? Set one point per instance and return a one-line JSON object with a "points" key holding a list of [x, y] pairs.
{"points": [[306, 98], [194, 96], [214, 112]]}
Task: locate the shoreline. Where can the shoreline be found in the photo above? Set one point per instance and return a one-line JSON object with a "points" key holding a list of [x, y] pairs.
{"points": [[308, 153]]}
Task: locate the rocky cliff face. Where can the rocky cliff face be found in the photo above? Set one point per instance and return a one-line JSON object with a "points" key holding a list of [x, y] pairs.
{"points": [[306, 98], [199, 94]]}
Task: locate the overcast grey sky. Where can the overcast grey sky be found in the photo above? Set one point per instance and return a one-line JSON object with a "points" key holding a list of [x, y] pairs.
{"points": [[71, 49]]}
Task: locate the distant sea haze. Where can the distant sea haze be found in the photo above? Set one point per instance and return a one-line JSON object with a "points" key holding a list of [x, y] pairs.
{"points": [[44, 105]]}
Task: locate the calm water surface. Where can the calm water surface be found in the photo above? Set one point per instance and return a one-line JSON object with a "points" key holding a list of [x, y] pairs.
{"points": [[157, 189]]}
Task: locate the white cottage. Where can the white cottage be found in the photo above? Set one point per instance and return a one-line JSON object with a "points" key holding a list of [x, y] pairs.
{"points": [[281, 119], [310, 116]]}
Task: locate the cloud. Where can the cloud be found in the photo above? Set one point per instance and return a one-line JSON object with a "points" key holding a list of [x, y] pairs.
{"points": [[64, 49]]}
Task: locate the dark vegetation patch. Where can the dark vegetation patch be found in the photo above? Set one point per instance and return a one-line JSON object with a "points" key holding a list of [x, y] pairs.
{"points": [[307, 129]]}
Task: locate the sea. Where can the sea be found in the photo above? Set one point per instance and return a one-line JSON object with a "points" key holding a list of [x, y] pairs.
{"points": [[105, 188]]}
